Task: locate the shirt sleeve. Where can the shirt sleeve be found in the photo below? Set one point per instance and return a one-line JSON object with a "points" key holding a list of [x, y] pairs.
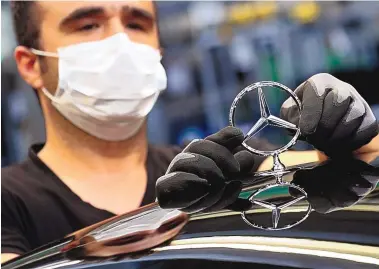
{"points": [[13, 235]]}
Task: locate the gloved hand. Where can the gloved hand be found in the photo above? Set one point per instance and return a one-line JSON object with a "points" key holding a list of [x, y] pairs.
{"points": [[336, 184], [205, 176], [335, 118]]}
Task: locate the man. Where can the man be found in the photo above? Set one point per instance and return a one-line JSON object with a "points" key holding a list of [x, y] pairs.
{"points": [[96, 68]]}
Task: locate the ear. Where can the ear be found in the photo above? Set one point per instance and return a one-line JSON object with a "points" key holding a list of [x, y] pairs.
{"points": [[28, 66]]}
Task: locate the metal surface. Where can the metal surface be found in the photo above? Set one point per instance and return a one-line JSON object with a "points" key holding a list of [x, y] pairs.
{"points": [[139, 230], [266, 117], [341, 233], [278, 169], [276, 209]]}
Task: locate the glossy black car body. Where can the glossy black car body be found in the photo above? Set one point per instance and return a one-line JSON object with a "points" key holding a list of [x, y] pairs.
{"points": [[342, 230]]}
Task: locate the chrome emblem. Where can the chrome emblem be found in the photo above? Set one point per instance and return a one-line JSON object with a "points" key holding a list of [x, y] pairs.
{"points": [[278, 170], [276, 209]]}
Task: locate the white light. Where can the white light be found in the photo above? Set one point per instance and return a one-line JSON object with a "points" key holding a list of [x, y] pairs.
{"points": [[324, 249]]}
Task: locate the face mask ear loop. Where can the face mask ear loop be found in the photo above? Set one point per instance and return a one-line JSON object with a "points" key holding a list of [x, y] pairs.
{"points": [[49, 95], [44, 53], [47, 54]]}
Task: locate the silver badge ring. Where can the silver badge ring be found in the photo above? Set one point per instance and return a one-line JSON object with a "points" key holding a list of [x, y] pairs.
{"points": [[266, 117], [277, 208], [278, 170]]}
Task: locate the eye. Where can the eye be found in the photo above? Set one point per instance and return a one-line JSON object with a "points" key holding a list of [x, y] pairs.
{"points": [[89, 27], [135, 26]]}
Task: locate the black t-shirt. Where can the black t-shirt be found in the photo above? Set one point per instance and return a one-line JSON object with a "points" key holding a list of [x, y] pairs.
{"points": [[38, 208]]}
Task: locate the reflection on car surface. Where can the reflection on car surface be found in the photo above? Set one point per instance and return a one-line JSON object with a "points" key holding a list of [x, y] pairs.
{"points": [[341, 230]]}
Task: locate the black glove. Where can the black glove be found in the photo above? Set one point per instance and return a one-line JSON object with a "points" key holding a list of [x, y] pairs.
{"points": [[205, 176], [335, 118], [336, 184]]}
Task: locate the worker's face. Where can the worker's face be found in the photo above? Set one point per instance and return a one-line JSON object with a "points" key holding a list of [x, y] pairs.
{"points": [[67, 23]]}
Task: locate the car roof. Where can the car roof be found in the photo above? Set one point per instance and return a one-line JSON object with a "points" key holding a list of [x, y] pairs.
{"points": [[340, 226]]}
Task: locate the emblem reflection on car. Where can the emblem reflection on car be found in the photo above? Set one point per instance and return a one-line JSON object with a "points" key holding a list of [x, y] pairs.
{"points": [[278, 170]]}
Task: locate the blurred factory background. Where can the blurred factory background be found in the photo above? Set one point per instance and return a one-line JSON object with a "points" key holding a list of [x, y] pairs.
{"points": [[212, 50]]}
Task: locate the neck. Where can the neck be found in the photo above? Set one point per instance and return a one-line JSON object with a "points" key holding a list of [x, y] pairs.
{"points": [[71, 148]]}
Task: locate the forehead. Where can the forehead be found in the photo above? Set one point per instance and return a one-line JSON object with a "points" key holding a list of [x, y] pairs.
{"points": [[57, 10]]}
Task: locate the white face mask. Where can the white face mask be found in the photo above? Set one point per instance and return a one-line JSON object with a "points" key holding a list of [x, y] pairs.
{"points": [[107, 87]]}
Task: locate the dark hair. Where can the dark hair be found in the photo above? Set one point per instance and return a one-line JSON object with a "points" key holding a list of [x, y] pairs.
{"points": [[27, 22]]}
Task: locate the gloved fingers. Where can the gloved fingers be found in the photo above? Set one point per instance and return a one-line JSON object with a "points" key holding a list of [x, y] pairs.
{"points": [[312, 108], [361, 186], [202, 165], [321, 204], [240, 205], [228, 137], [336, 106], [311, 98], [223, 158], [199, 165], [317, 196], [351, 121], [289, 110], [324, 200], [334, 118], [218, 197], [343, 139], [207, 201], [369, 127], [343, 198], [333, 135], [246, 161], [314, 91], [180, 190], [336, 183], [229, 196]]}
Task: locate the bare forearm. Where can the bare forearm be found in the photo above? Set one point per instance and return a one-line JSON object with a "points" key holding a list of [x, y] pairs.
{"points": [[372, 147], [8, 256], [366, 153], [290, 158]]}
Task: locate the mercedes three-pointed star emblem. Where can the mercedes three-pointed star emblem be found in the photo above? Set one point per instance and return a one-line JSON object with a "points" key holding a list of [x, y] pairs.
{"points": [[276, 209], [278, 170], [266, 117]]}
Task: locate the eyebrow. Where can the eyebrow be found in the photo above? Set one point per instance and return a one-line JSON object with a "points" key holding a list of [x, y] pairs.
{"points": [[81, 13], [86, 12], [138, 13]]}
